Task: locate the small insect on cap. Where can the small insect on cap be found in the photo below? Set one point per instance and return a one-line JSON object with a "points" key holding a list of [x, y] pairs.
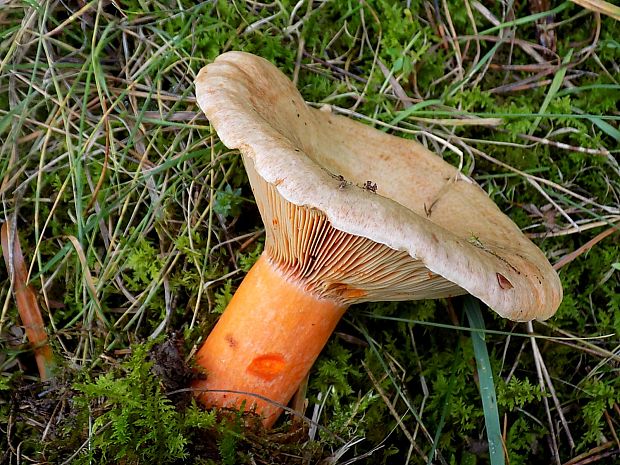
{"points": [[357, 215]]}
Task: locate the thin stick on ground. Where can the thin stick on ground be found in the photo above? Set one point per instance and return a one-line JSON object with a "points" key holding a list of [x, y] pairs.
{"points": [[590, 456], [547, 378], [566, 259], [538, 362], [395, 414]]}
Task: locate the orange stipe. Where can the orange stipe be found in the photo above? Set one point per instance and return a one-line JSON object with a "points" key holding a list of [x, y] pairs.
{"points": [[264, 343], [267, 366]]}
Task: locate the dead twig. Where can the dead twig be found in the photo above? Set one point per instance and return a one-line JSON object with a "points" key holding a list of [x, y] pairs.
{"points": [[566, 259], [592, 455], [395, 414], [541, 382]]}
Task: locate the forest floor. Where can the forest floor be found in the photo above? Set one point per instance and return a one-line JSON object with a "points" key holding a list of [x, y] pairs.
{"points": [[137, 224]]}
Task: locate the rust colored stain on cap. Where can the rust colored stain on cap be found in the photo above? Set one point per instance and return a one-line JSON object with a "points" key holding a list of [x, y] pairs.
{"points": [[503, 282], [267, 366]]}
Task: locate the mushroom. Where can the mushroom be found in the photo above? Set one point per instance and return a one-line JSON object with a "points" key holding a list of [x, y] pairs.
{"points": [[351, 215]]}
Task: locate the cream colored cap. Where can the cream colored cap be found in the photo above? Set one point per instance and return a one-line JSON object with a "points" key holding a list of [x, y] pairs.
{"points": [[359, 215]]}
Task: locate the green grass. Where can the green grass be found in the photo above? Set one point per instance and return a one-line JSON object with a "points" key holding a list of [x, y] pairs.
{"points": [[137, 223]]}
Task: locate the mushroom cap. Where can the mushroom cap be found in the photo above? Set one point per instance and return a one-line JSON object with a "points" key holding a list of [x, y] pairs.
{"points": [[384, 205]]}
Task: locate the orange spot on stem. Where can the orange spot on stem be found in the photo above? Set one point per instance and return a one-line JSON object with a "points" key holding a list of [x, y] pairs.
{"points": [[267, 366]]}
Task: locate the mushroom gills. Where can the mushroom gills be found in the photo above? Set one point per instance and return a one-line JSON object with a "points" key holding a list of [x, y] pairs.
{"points": [[334, 264]]}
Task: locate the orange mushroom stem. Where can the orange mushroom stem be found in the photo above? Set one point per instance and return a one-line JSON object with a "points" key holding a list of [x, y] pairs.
{"points": [[265, 342]]}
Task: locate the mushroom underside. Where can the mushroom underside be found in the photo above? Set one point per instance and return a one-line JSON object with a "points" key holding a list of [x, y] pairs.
{"points": [[337, 265]]}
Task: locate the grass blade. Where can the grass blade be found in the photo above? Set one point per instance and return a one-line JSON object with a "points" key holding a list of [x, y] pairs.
{"points": [[485, 377], [526, 19], [600, 6], [553, 90]]}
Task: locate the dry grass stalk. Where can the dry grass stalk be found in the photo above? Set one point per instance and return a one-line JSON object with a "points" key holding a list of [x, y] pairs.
{"points": [[26, 300]]}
